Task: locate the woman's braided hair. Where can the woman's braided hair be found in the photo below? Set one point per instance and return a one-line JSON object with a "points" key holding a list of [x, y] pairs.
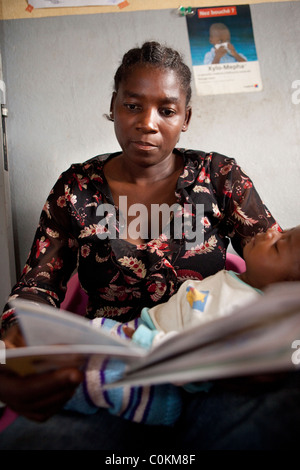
{"points": [[156, 55]]}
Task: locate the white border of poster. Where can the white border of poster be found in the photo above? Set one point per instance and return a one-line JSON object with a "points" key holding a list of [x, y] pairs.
{"points": [[223, 50]]}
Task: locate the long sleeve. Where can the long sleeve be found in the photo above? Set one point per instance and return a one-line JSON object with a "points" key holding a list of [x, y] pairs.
{"points": [[52, 258], [243, 211]]}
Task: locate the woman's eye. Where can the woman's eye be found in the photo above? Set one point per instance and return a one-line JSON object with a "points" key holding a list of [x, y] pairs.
{"points": [[168, 112], [131, 106]]}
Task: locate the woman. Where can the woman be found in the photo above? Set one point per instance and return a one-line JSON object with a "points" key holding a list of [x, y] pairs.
{"points": [[123, 270]]}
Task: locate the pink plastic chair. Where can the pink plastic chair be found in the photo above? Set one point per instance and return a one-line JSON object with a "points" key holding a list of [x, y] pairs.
{"points": [[235, 263], [76, 300], [7, 418]]}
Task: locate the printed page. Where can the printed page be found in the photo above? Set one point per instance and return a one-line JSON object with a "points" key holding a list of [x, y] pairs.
{"points": [[70, 3], [56, 338], [223, 50], [255, 339], [36, 359], [279, 299], [261, 349], [45, 325]]}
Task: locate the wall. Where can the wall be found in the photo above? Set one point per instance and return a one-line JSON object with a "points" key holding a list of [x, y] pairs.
{"points": [[59, 74], [6, 229], [13, 9]]}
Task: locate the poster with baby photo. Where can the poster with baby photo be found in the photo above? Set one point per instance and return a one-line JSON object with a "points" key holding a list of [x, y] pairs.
{"points": [[223, 50]]}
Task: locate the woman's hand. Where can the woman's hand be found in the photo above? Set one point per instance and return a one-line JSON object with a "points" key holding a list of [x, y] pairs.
{"points": [[13, 338], [36, 396]]}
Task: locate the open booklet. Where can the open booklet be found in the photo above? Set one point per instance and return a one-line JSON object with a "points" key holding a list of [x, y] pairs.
{"points": [[260, 338]]}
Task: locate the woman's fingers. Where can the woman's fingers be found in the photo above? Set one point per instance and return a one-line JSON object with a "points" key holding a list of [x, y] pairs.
{"points": [[39, 396]]}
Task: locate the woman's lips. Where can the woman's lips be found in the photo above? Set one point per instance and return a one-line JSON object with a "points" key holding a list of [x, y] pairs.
{"points": [[143, 145]]}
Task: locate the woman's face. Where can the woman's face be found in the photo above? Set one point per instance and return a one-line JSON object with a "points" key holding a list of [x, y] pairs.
{"points": [[149, 111]]}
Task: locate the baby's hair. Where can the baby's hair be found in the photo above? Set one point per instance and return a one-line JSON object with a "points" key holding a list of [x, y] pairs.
{"points": [[156, 55], [295, 268], [218, 27]]}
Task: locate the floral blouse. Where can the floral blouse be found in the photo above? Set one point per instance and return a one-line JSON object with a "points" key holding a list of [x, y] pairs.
{"points": [[121, 278]]}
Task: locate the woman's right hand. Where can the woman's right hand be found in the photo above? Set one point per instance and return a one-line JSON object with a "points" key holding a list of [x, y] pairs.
{"points": [[37, 396]]}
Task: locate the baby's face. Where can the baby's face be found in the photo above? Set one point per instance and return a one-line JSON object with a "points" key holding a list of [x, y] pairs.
{"points": [[218, 37], [273, 256]]}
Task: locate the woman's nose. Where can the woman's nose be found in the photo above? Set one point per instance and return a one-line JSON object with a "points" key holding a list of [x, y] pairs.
{"points": [[148, 121]]}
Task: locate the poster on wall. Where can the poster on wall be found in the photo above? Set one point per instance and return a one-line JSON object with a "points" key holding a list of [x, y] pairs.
{"points": [[223, 50], [70, 3]]}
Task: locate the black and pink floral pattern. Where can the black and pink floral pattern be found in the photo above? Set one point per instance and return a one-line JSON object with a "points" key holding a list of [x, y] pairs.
{"points": [[119, 277]]}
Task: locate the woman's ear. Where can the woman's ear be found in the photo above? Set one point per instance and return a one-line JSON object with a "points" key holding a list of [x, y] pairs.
{"points": [[188, 115], [112, 104]]}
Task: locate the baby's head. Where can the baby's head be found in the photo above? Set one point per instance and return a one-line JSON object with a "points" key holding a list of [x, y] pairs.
{"points": [[272, 257], [218, 34]]}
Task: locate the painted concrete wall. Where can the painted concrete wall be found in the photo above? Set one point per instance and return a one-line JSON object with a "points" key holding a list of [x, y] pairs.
{"points": [[6, 232], [59, 75]]}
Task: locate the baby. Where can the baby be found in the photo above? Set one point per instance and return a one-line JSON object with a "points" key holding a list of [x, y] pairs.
{"points": [[270, 257], [223, 51]]}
